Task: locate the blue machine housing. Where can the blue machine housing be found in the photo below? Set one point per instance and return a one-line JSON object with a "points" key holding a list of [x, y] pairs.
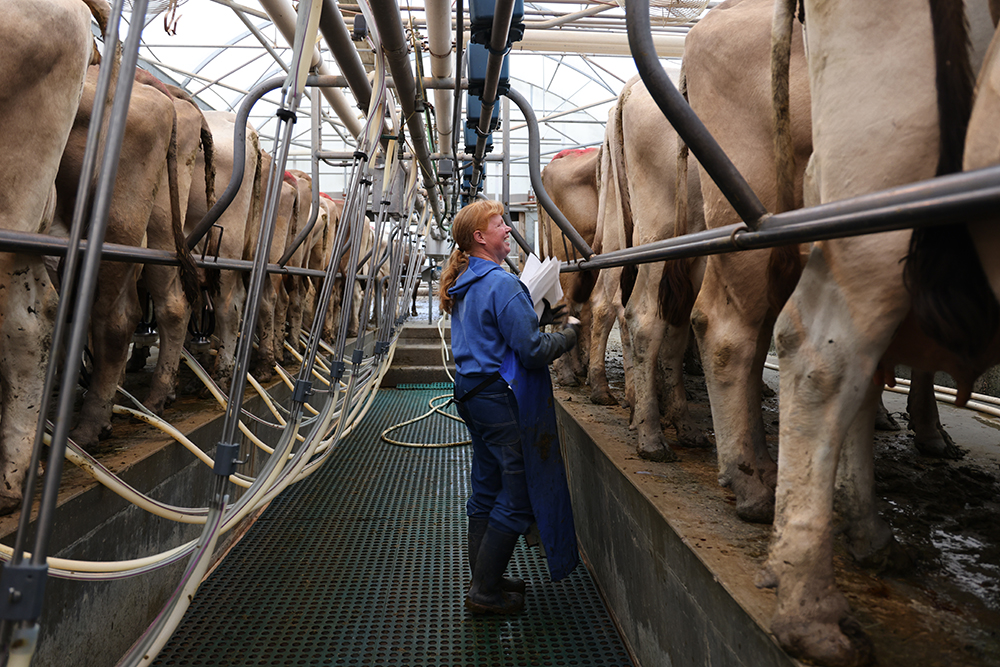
{"points": [[474, 106], [477, 57], [470, 141], [481, 13]]}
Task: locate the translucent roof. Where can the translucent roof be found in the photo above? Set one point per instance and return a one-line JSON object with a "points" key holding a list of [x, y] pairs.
{"points": [[218, 50]]}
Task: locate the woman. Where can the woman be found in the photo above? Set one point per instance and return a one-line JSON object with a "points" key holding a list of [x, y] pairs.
{"points": [[504, 394]]}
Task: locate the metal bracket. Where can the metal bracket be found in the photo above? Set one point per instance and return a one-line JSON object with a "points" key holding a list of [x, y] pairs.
{"points": [[22, 588], [337, 369], [381, 347], [358, 357], [302, 391], [225, 459]]}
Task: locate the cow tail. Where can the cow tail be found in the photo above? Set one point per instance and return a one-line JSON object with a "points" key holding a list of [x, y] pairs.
{"points": [[676, 294], [784, 264], [951, 298], [189, 270], [617, 146], [208, 148]]}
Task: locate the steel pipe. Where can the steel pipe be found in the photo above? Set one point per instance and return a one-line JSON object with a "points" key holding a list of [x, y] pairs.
{"points": [[942, 200], [283, 16], [390, 29], [503, 13], [439, 38], [338, 38], [673, 105]]}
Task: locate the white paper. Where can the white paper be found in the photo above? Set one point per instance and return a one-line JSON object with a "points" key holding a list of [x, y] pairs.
{"points": [[542, 280]]}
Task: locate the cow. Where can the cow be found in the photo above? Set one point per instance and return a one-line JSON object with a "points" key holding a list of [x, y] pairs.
{"points": [[37, 108], [310, 252], [728, 85], [271, 318], [233, 240], [145, 193], [880, 120], [318, 259], [571, 180], [164, 284], [639, 205]]}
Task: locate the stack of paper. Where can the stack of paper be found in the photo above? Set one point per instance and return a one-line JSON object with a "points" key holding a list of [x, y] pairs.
{"points": [[542, 280]]}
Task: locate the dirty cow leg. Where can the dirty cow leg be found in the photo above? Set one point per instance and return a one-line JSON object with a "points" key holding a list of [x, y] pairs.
{"points": [[827, 363], [172, 313], [113, 320], [733, 362], [603, 306], [929, 436], [27, 334]]}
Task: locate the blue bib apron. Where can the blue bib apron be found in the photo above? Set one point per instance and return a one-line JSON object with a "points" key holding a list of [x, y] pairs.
{"points": [[544, 470]]}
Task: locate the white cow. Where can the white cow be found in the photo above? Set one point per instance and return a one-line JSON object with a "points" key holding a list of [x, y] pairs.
{"points": [[639, 206], [727, 63], [37, 108], [878, 121]]}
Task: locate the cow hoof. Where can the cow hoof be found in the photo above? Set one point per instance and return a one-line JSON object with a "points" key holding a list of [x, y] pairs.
{"points": [[754, 500], [842, 644], [884, 421], [939, 446], [693, 439], [9, 503], [661, 454], [602, 397], [891, 557]]}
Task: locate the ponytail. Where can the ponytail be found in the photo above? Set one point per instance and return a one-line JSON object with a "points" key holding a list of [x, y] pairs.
{"points": [[457, 263]]}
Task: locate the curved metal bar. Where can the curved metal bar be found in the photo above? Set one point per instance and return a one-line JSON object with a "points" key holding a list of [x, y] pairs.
{"points": [[673, 105], [534, 150]]}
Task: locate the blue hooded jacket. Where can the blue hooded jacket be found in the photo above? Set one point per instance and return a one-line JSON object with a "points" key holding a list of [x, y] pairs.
{"points": [[492, 313]]}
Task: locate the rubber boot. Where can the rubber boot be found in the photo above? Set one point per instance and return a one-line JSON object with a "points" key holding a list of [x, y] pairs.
{"points": [[486, 596], [477, 528]]}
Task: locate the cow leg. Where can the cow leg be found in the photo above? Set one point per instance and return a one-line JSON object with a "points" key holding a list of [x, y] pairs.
{"points": [[869, 538], [929, 436], [228, 310], [113, 319], [673, 398], [827, 363], [296, 299], [172, 314], [264, 365], [604, 306], [734, 347], [645, 333], [27, 333]]}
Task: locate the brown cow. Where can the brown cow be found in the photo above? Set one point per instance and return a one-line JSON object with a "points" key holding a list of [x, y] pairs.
{"points": [[571, 180], [37, 107], [727, 63], [147, 175], [271, 318]]}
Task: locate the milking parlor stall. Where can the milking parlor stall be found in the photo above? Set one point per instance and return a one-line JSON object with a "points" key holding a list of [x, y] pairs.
{"points": [[227, 434]]}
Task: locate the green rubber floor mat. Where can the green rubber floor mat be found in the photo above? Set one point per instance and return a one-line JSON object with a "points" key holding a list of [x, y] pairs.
{"points": [[364, 563]]}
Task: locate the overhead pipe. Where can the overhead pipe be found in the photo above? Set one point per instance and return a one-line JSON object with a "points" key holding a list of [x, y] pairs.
{"points": [[439, 38], [683, 119], [284, 16], [390, 29], [503, 13], [598, 44], [338, 38], [535, 172]]}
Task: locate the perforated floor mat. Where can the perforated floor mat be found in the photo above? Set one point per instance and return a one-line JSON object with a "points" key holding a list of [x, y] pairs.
{"points": [[364, 564]]}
